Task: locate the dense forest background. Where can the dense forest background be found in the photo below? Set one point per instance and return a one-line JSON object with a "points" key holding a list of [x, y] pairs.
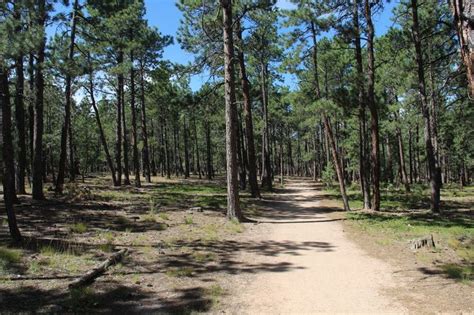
{"points": [[97, 97]]}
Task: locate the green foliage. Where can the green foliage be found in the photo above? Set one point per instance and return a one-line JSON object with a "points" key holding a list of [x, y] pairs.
{"points": [[78, 228], [8, 258], [328, 175]]}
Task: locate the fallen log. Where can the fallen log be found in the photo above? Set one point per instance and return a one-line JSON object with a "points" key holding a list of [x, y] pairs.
{"points": [[90, 276], [427, 241]]}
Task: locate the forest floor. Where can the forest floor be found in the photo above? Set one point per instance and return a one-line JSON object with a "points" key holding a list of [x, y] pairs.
{"points": [[303, 255]]}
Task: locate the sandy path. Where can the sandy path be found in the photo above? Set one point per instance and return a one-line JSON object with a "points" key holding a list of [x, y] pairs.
{"points": [[324, 271]]}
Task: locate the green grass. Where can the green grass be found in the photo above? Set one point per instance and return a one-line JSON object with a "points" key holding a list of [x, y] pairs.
{"points": [[8, 258], [188, 220], [81, 299], [396, 199], [163, 216], [464, 273], [234, 226], [204, 256], [214, 293], [79, 228], [180, 272]]}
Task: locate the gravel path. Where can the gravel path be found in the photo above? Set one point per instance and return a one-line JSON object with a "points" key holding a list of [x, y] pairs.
{"points": [[322, 271]]}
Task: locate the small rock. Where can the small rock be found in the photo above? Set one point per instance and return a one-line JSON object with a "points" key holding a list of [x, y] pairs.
{"points": [[197, 209]]}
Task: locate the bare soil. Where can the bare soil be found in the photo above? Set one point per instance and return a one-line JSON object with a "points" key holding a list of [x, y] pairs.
{"points": [[299, 256]]}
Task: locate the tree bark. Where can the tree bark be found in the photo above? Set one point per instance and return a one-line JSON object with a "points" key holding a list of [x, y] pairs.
{"points": [[38, 164], [103, 139], [266, 158], [233, 204], [433, 169], [133, 109], [363, 161], [118, 131], [67, 106], [374, 118], [463, 11], [186, 148], [401, 157], [20, 111], [247, 110], [146, 148], [337, 163], [8, 167]]}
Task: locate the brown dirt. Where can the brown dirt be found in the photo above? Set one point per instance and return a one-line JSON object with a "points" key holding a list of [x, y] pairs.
{"points": [[301, 258]]}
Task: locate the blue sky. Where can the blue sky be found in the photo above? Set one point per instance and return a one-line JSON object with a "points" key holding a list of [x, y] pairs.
{"points": [[165, 16]]}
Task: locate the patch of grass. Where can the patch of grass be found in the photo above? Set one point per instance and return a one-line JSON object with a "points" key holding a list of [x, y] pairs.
{"points": [[121, 220], [64, 260], [8, 258], [214, 292], [34, 267], [81, 299], [188, 220], [234, 226], [180, 272], [163, 216], [211, 232], [459, 272], [204, 256], [108, 237], [79, 228]]}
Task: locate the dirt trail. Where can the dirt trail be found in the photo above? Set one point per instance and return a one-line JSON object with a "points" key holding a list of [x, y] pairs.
{"points": [[322, 271]]}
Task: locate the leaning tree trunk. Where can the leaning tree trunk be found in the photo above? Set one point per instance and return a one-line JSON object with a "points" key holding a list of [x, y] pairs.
{"points": [[463, 11], [233, 204], [374, 116], [433, 169], [247, 109], [38, 162], [67, 107], [8, 168], [103, 139], [337, 163]]}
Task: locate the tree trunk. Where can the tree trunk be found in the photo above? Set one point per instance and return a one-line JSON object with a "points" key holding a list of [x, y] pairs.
{"points": [[463, 11], [67, 106], [233, 204], [198, 162], [103, 139], [133, 109], [8, 167], [433, 169], [20, 112], [126, 164], [337, 163], [146, 149], [266, 164], [208, 151], [118, 131], [31, 115], [363, 161], [38, 165], [247, 110], [186, 148], [401, 157], [374, 118]]}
